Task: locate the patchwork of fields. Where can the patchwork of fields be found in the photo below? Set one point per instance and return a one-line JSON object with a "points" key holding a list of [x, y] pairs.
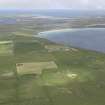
{"points": [[34, 71], [34, 75]]}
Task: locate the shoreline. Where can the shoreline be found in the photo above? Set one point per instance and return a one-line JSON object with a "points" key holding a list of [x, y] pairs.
{"points": [[65, 30], [45, 35], [56, 30]]}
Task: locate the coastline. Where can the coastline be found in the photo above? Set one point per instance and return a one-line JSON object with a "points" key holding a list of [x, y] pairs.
{"points": [[56, 30], [65, 30], [86, 43]]}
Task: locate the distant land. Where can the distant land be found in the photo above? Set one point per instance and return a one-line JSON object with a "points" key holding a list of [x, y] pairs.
{"points": [[56, 12]]}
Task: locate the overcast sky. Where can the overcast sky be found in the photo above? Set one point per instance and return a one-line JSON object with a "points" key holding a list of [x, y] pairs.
{"points": [[53, 4]]}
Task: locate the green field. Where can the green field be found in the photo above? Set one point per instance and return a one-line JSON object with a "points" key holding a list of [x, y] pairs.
{"points": [[76, 76], [34, 67], [6, 48]]}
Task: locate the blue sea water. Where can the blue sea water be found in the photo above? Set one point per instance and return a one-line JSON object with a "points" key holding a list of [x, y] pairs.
{"points": [[87, 38]]}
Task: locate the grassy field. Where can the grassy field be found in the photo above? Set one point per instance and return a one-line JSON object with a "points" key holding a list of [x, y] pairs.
{"points": [[6, 48], [34, 67], [76, 76]]}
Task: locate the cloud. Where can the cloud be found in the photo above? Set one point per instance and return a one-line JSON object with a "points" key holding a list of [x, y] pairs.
{"points": [[53, 4]]}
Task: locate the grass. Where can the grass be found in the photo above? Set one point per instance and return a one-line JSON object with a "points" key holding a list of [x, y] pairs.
{"points": [[22, 34], [6, 47], [30, 51], [34, 67]]}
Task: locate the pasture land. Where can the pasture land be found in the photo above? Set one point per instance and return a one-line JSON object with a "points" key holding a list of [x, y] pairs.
{"points": [[35, 67], [6, 48], [22, 34]]}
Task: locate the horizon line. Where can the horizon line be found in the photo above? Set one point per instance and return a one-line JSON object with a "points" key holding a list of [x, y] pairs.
{"points": [[49, 9]]}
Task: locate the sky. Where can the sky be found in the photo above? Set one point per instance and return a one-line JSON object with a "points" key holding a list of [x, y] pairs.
{"points": [[52, 4]]}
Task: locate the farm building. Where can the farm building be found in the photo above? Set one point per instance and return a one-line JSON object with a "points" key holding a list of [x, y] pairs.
{"points": [[52, 48]]}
